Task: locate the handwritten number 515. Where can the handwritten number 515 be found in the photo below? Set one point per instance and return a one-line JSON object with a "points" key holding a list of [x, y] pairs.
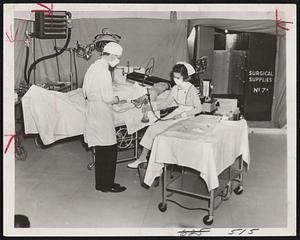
{"points": [[240, 231]]}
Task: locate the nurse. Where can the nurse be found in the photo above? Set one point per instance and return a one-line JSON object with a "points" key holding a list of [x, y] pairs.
{"points": [[185, 95], [99, 129]]}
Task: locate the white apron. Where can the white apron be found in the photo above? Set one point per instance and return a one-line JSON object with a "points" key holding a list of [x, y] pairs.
{"points": [[180, 97], [97, 88]]}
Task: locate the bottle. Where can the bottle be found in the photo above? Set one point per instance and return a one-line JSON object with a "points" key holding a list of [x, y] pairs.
{"points": [[145, 118], [230, 117], [235, 114]]}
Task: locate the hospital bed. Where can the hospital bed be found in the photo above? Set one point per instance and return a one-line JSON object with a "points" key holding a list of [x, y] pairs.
{"points": [[211, 153], [39, 105]]}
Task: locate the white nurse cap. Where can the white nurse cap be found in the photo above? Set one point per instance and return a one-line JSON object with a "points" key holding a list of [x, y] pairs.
{"points": [[189, 67], [113, 48]]}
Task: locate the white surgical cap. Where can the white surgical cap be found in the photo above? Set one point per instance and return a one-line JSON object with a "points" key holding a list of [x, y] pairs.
{"points": [[189, 67], [113, 48]]}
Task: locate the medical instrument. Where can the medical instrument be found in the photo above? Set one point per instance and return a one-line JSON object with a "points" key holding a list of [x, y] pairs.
{"points": [[98, 43], [146, 79], [128, 69], [52, 25], [209, 104], [145, 118], [48, 26]]}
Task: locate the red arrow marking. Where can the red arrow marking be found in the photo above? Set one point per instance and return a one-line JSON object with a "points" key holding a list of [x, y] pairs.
{"points": [[12, 136]]}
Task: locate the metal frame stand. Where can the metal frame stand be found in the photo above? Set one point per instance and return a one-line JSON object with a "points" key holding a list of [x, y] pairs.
{"points": [[72, 60], [224, 190]]}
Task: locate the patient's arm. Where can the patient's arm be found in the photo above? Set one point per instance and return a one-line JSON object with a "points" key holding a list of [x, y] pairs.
{"points": [[166, 103], [156, 106], [142, 99]]}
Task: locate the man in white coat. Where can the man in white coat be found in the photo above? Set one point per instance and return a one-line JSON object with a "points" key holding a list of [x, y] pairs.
{"points": [[99, 129]]}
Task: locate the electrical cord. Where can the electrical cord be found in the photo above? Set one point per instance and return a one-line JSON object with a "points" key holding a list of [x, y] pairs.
{"points": [[152, 110], [26, 63], [180, 205]]}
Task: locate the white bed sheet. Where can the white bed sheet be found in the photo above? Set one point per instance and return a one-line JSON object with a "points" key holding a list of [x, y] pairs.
{"points": [[55, 115]]}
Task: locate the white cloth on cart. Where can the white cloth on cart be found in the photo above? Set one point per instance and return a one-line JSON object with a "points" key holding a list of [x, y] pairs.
{"points": [[205, 143]]}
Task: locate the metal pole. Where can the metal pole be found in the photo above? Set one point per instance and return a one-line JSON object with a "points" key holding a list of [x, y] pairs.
{"points": [[57, 65], [211, 203], [33, 61], [75, 66], [71, 70], [241, 169], [164, 182], [136, 145]]}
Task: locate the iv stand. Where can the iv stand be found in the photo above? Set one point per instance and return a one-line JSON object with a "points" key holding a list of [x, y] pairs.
{"points": [[72, 52]]}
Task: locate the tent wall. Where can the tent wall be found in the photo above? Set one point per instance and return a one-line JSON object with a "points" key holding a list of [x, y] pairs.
{"points": [[142, 39], [279, 112]]}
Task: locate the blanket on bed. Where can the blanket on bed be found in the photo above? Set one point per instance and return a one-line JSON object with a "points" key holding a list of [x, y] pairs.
{"points": [[56, 115]]}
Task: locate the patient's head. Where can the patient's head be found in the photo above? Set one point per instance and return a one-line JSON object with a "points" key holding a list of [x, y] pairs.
{"points": [[160, 87]]}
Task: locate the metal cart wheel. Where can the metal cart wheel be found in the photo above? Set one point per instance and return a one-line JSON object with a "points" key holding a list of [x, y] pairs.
{"points": [[90, 165], [162, 207], [21, 153], [226, 194], [38, 142], [123, 138], [208, 220], [93, 163], [239, 190], [156, 182]]}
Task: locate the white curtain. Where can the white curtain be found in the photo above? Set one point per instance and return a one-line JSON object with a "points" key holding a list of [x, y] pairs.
{"points": [[279, 100]]}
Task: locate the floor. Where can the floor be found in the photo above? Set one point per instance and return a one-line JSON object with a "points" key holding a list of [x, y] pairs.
{"points": [[55, 190]]}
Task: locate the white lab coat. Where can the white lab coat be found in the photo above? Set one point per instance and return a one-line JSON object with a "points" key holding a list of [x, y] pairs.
{"points": [[97, 88]]}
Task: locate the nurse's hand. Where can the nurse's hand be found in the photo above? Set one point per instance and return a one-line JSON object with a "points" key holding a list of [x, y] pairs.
{"points": [[122, 101]]}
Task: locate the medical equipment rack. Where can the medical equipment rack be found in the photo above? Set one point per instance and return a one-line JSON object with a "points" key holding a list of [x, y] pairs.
{"points": [[181, 185]]}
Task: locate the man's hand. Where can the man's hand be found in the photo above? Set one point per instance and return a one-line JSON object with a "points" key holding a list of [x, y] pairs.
{"points": [[177, 116], [146, 108]]}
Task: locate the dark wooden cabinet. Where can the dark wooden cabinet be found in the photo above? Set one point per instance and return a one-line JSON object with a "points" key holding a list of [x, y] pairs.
{"points": [[246, 67], [259, 84]]}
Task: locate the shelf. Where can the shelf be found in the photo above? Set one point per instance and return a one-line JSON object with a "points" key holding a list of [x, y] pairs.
{"points": [[193, 185]]}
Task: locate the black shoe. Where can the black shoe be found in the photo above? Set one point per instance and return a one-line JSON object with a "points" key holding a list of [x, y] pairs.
{"points": [[116, 188]]}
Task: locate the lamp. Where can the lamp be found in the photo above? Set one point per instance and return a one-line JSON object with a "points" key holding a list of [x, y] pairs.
{"points": [[100, 40]]}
